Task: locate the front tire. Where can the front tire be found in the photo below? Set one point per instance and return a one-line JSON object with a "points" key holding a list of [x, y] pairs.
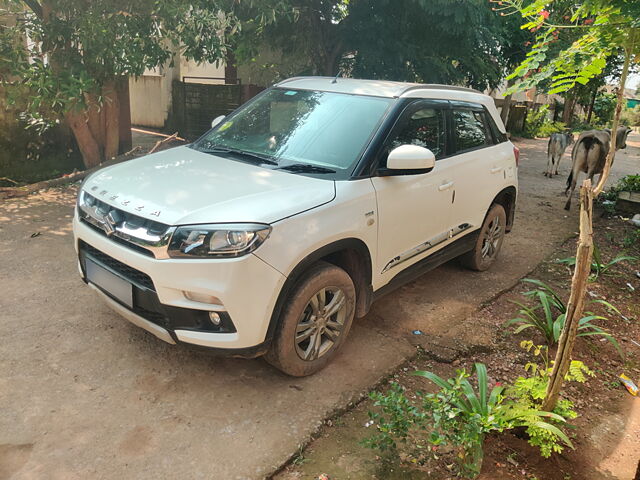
{"points": [[489, 242], [314, 322]]}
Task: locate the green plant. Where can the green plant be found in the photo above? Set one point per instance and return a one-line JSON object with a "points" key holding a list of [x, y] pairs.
{"points": [[631, 116], [457, 416], [628, 183], [598, 267], [530, 391], [632, 239], [604, 106], [398, 416], [612, 384], [299, 459], [548, 316], [537, 124], [547, 128]]}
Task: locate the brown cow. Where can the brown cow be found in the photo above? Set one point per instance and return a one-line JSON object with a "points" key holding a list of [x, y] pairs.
{"points": [[590, 153]]}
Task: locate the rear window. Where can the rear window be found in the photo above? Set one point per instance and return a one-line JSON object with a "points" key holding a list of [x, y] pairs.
{"points": [[498, 136]]}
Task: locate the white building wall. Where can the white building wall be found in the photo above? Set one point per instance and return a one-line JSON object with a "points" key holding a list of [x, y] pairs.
{"points": [[150, 94], [150, 97]]}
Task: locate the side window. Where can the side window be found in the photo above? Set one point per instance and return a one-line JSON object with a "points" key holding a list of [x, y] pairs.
{"points": [[470, 130], [424, 127]]}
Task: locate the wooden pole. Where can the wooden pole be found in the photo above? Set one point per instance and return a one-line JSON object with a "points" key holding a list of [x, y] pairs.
{"points": [[583, 257], [576, 299], [614, 127]]}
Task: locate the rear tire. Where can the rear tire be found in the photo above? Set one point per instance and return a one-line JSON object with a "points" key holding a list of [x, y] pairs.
{"points": [[489, 242], [314, 322]]}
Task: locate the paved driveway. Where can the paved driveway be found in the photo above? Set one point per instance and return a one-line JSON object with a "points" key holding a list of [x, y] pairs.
{"points": [[84, 394]]}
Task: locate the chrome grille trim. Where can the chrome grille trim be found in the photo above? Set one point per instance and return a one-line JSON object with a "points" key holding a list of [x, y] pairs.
{"points": [[127, 227]]}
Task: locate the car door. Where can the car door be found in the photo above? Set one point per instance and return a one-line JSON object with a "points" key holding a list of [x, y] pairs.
{"points": [[413, 209], [479, 166]]}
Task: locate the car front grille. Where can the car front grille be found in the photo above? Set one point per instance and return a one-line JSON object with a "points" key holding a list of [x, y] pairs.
{"points": [[140, 234], [130, 274]]}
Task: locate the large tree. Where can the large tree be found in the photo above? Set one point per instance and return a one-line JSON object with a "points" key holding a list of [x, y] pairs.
{"points": [[441, 41], [73, 57]]}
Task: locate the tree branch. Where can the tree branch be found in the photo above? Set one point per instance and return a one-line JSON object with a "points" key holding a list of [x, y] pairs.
{"points": [[35, 7]]}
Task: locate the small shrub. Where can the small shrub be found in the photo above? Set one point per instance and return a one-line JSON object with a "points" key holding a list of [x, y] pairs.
{"points": [[631, 116], [549, 312], [598, 267], [632, 239], [537, 124], [458, 416], [628, 183], [531, 391]]}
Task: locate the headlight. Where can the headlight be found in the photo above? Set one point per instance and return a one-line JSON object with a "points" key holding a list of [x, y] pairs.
{"points": [[217, 241]]}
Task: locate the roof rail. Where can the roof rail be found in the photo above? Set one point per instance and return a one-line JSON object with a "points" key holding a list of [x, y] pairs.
{"points": [[438, 86], [291, 79], [411, 86]]}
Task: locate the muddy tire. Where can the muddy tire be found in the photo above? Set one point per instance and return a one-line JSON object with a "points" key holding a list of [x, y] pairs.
{"points": [[487, 247], [314, 322]]}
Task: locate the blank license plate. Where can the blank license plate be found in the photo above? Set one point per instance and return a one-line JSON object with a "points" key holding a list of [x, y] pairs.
{"points": [[110, 283]]}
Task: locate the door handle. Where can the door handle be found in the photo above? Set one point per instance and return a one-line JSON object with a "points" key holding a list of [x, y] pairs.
{"points": [[497, 169], [445, 186]]}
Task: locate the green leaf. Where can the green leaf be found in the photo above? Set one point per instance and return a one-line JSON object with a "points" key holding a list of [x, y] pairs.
{"points": [[555, 430], [433, 377], [481, 371], [557, 327], [607, 305]]}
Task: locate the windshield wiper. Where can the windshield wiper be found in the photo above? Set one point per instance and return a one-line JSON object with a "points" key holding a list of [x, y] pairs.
{"points": [[306, 168], [242, 153]]}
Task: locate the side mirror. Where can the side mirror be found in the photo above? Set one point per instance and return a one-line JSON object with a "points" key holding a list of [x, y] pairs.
{"points": [[407, 159], [217, 120]]}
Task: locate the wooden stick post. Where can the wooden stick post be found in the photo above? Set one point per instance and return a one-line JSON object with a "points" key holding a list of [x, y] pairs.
{"points": [[576, 299], [583, 257]]}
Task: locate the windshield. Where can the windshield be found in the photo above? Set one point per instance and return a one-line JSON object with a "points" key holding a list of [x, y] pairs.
{"points": [[301, 130]]}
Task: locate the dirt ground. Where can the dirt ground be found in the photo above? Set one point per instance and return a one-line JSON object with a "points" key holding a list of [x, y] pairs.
{"points": [[606, 434], [84, 394]]}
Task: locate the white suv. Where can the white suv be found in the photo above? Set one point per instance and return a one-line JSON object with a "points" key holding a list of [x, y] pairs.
{"points": [[291, 215]]}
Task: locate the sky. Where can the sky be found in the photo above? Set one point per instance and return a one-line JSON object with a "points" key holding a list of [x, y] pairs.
{"points": [[633, 80]]}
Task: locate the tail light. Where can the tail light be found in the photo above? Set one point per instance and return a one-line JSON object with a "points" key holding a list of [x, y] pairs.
{"points": [[516, 153]]}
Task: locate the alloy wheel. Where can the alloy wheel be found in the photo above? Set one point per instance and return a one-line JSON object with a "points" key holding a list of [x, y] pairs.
{"points": [[321, 323], [492, 238]]}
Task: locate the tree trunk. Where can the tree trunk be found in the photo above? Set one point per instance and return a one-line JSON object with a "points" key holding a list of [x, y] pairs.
{"points": [[591, 104], [506, 104], [568, 109], [89, 148], [95, 120], [230, 68], [111, 119], [616, 122], [330, 60], [583, 259], [124, 123], [576, 299]]}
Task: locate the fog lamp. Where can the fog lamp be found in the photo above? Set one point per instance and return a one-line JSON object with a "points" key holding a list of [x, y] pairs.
{"points": [[215, 318]]}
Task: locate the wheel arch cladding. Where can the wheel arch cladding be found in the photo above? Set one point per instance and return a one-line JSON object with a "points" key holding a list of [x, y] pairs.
{"points": [[350, 254], [507, 198]]}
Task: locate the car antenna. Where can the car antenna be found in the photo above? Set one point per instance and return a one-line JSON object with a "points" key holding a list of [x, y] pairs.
{"points": [[335, 79]]}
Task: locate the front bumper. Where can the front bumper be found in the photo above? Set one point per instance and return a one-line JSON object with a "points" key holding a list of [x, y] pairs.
{"points": [[247, 289]]}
